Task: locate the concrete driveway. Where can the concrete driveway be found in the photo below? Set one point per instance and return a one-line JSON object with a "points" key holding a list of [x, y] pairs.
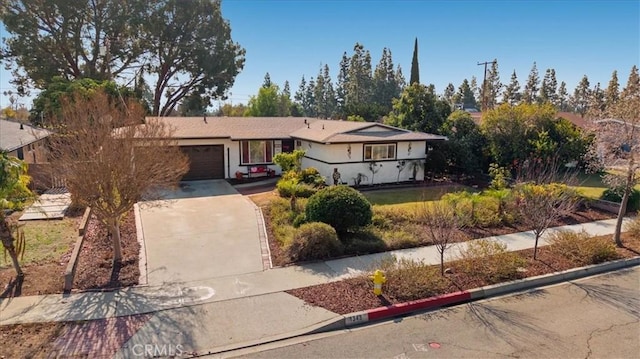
{"points": [[205, 229]]}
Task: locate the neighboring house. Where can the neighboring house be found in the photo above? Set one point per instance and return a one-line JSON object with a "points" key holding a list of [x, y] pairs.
{"points": [[23, 141], [219, 147]]}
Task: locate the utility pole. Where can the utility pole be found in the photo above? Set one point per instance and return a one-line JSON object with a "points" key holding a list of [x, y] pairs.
{"points": [[484, 84]]}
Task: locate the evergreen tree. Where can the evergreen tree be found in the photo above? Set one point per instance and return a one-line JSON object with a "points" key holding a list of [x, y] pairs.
{"points": [[563, 97], [465, 95], [267, 81], [359, 82], [415, 69], [286, 89], [581, 96], [548, 88], [299, 96], [531, 88], [448, 94], [324, 95], [385, 86], [309, 103], [493, 85], [475, 90], [341, 86], [511, 93], [596, 102], [400, 80], [612, 92]]}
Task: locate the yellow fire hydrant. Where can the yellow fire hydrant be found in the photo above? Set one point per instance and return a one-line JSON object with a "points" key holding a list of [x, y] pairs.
{"points": [[378, 280]]}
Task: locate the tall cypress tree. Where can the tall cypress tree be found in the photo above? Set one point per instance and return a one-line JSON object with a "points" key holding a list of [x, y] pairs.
{"points": [[415, 70]]}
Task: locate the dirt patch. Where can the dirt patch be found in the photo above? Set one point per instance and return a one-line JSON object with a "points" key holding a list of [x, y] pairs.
{"points": [[94, 269], [356, 294], [95, 265], [29, 340]]}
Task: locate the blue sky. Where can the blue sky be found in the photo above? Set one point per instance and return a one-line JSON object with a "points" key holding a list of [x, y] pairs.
{"points": [[291, 38]]}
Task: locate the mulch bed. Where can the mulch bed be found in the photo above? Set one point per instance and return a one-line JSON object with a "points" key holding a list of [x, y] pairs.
{"points": [[95, 264], [356, 294]]}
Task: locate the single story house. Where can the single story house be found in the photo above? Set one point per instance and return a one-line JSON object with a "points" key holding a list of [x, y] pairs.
{"points": [[220, 147], [23, 141]]}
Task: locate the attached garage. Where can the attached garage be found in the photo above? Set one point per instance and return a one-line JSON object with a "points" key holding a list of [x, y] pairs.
{"points": [[206, 162]]}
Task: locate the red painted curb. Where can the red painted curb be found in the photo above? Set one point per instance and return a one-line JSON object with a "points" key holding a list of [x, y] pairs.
{"points": [[402, 308]]}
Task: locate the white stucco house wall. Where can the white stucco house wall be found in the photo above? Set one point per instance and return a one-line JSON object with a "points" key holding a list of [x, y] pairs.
{"points": [[218, 147]]}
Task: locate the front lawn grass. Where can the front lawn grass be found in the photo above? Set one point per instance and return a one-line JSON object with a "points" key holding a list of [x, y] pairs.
{"points": [[46, 240], [410, 196]]}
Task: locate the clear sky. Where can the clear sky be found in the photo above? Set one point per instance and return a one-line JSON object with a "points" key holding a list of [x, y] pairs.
{"points": [[291, 38]]}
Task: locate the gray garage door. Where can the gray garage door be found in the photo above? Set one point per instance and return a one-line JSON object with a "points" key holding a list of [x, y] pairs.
{"points": [[206, 162]]}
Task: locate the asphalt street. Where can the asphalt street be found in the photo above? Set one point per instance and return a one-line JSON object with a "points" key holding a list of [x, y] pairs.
{"points": [[596, 317]]}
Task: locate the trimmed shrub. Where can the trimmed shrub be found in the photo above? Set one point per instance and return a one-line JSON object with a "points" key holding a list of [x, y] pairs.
{"points": [[490, 261], [341, 207], [314, 241], [615, 195], [311, 176], [581, 248], [288, 187]]}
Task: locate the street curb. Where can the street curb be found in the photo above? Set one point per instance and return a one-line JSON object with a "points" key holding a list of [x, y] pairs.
{"points": [[381, 313]]}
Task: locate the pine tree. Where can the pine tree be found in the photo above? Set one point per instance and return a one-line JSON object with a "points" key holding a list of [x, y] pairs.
{"points": [[415, 68], [385, 86], [299, 96], [581, 96], [563, 97], [531, 88], [475, 91], [401, 82], [465, 95], [267, 81], [612, 93], [341, 86], [309, 104], [448, 94], [324, 95], [359, 79], [493, 85], [511, 93], [596, 102], [548, 88], [286, 90]]}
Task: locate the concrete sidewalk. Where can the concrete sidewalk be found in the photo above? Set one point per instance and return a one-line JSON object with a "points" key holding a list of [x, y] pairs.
{"points": [[224, 312]]}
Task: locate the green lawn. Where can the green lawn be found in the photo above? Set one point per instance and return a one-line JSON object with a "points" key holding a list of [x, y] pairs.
{"points": [[410, 196], [591, 185], [46, 240]]}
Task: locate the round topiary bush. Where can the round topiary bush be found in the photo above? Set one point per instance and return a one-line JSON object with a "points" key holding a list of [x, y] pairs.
{"points": [[342, 207], [314, 241]]}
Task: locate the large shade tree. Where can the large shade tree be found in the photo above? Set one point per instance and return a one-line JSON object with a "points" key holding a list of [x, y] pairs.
{"points": [[110, 159], [182, 47]]}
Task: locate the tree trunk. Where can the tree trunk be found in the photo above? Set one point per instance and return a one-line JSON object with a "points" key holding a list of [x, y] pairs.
{"points": [[535, 247], [621, 212], [115, 237], [7, 243], [442, 263]]}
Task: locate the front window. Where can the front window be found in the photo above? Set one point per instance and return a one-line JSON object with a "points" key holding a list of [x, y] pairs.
{"points": [[254, 152], [380, 152]]}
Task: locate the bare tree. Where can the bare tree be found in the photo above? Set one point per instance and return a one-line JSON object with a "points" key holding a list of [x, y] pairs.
{"points": [[542, 196], [618, 144], [442, 224], [110, 159]]}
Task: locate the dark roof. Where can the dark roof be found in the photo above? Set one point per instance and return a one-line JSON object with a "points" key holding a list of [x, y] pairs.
{"points": [[12, 136]]}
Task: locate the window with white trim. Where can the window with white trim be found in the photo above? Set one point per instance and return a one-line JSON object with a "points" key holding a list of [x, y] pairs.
{"points": [[380, 152], [256, 152]]}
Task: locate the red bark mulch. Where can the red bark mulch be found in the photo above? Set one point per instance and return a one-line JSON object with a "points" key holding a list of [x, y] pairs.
{"points": [[95, 265]]}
